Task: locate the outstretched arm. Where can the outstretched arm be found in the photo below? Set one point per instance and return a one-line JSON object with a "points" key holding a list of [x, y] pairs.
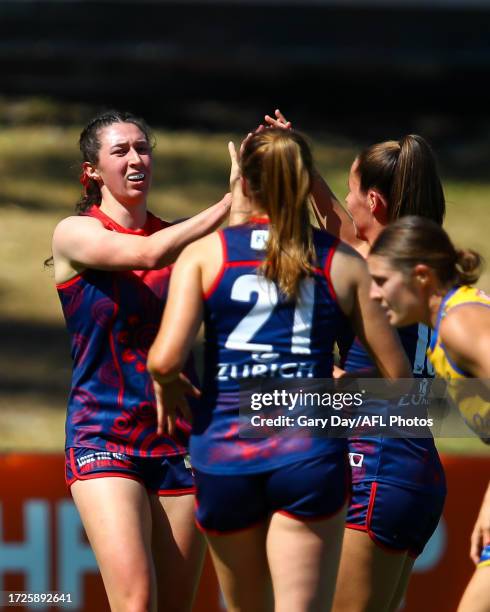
{"points": [[241, 206], [82, 242], [329, 212]]}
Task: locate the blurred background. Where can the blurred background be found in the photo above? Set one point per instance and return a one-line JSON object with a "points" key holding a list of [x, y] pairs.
{"points": [[347, 73]]}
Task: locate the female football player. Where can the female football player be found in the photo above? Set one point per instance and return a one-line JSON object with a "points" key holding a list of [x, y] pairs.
{"points": [[133, 487], [273, 293]]}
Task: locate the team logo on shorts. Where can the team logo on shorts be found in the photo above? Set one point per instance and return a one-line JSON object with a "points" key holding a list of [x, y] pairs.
{"points": [[356, 459], [187, 462]]}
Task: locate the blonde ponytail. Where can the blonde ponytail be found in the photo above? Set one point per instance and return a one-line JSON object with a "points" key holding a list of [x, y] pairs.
{"points": [[279, 168]]}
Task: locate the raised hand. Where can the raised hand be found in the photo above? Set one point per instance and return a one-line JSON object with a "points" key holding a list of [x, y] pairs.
{"points": [[278, 121], [240, 204], [235, 173]]}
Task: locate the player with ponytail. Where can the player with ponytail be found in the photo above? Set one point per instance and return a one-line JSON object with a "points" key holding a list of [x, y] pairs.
{"points": [[273, 293]]}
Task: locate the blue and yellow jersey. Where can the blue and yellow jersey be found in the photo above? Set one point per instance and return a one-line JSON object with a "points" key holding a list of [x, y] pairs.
{"points": [[456, 298], [472, 399], [484, 557]]}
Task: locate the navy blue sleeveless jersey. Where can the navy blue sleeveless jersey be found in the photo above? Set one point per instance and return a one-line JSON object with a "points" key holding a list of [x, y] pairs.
{"points": [[415, 340], [113, 318], [251, 332], [411, 462]]}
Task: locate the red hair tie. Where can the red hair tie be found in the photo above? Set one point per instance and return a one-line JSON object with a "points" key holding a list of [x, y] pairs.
{"points": [[84, 179]]}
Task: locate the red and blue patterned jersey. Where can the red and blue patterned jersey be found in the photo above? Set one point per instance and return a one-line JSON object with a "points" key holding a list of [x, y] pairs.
{"points": [[113, 318], [253, 332], [411, 462]]}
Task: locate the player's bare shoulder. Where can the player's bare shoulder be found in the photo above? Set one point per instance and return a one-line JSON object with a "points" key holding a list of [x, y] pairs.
{"points": [[465, 334], [348, 272], [74, 227], [348, 266], [68, 235], [203, 251], [206, 254]]}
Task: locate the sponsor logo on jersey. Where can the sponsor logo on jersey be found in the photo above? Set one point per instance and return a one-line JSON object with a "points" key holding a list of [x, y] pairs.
{"points": [[258, 240], [236, 371]]}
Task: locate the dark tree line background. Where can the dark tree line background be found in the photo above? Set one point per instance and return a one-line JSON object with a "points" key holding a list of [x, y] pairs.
{"points": [[366, 70]]}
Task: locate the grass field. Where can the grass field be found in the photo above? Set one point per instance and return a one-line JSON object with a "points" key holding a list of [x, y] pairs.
{"points": [[39, 169]]}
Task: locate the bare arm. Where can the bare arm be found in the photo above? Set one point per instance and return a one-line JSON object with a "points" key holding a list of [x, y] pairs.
{"points": [[465, 333], [331, 216], [241, 209], [82, 242], [351, 282]]}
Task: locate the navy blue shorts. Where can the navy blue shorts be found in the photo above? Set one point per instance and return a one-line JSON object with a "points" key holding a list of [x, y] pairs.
{"points": [[161, 475], [312, 489], [395, 517]]}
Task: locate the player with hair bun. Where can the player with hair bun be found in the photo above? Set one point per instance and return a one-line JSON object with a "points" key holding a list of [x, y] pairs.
{"points": [[398, 484], [419, 276]]}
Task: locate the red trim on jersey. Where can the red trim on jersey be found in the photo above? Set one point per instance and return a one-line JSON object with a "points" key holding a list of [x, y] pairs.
{"points": [[264, 220], [328, 265], [238, 264], [69, 283], [221, 271], [148, 228], [225, 265]]}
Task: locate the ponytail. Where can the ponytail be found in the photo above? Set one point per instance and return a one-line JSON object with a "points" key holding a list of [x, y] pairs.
{"points": [[91, 194], [278, 166], [405, 172]]}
